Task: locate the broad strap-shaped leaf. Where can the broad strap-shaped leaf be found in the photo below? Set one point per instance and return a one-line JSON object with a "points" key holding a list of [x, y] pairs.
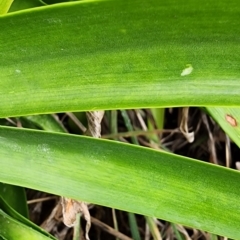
{"points": [[119, 54], [4, 6], [123, 176], [24, 4], [46, 122], [10, 229], [16, 197], [13, 226]]}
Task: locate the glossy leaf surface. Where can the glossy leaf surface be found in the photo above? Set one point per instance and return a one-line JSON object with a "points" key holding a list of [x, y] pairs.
{"points": [[145, 181], [119, 54]]}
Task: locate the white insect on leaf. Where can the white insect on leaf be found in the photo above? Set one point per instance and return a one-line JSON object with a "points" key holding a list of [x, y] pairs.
{"points": [[187, 70]]}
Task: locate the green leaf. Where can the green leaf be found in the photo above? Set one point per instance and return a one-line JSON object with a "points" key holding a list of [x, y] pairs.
{"points": [[4, 6], [16, 197], [15, 226], [11, 229], [229, 120], [24, 4], [119, 54], [46, 122], [170, 187], [58, 1]]}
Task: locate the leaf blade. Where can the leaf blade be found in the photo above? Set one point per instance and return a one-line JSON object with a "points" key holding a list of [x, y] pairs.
{"points": [[15, 197], [21, 222], [168, 186], [4, 6], [23, 4], [95, 62], [12, 229]]}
